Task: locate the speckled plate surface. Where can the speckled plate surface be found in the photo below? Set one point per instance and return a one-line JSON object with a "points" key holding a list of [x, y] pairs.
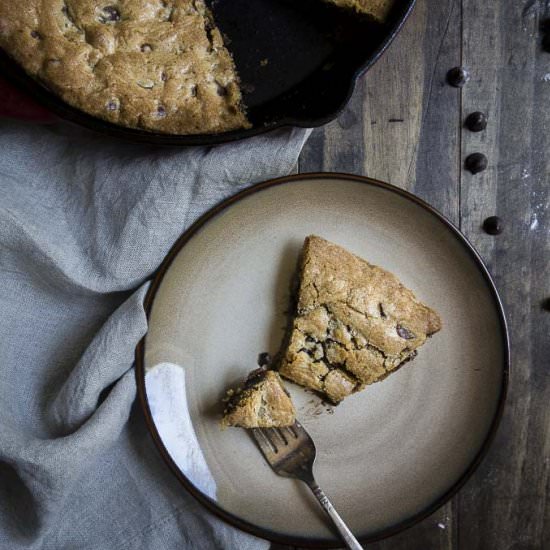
{"points": [[387, 456]]}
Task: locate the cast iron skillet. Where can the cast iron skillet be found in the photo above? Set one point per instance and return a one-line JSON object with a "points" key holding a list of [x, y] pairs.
{"points": [[298, 61]]}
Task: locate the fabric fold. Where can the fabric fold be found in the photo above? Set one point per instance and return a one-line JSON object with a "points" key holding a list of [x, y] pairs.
{"points": [[84, 222]]}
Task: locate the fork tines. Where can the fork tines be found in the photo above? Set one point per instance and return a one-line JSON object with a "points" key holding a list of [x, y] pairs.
{"points": [[273, 440], [289, 451]]}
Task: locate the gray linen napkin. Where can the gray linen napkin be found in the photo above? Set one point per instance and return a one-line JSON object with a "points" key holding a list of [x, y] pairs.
{"points": [[84, 221]]}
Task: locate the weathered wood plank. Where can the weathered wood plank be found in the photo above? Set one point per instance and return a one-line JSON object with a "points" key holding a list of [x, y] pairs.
{"points": [[403, 126], [506, 503], [430, 169], [438, 155]]}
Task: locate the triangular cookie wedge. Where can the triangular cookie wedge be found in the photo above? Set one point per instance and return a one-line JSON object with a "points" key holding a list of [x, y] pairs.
{"points": [[355, 323], [262, 403]]}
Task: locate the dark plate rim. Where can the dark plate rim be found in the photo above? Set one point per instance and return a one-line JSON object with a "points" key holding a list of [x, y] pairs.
{"points": [[236, 521], [16, 74]]}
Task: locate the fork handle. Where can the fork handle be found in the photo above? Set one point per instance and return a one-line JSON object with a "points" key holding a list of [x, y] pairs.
{"points": [[343, 529]]}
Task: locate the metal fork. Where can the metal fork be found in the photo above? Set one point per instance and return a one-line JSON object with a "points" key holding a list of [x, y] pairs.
{"points": [[291, 453]]}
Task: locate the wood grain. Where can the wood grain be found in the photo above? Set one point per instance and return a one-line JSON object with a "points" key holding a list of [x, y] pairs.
{"points": [[405, 125], [506, 504], [402, 126]]}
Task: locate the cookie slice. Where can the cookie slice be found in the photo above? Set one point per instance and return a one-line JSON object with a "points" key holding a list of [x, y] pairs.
{"points": [[262, 403], [355, 323], [377, 9]]}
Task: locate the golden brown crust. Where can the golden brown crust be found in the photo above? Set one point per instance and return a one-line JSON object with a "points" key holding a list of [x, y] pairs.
{"points": [[378, 9], [152, 64], [355, 322], [264, 403]]}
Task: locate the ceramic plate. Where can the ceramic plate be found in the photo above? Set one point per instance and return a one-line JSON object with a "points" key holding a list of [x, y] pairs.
{"points": [[387, 456]]}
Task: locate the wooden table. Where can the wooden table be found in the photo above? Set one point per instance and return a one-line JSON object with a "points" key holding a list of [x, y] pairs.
{"points": [[405, 125]]}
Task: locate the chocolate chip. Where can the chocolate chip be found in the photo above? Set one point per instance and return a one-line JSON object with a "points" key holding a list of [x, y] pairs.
{"points": [[35, 34], [254, 377], [546, 304], [264, 359], [405, 333], [222, 90], [476, 162], [476, 122], [458, 77], [382, 312], [109, 14], [493, 225], [161, 111], [113, 105], [146, 48]]}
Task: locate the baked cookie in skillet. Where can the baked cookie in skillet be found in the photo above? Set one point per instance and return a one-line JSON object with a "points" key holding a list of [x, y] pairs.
{"points": [[158, 65]]}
